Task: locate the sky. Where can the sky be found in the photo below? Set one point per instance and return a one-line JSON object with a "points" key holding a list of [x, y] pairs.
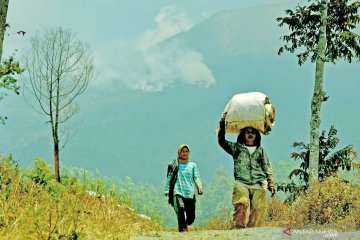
{"points": [[164, 71], [117, 30]]}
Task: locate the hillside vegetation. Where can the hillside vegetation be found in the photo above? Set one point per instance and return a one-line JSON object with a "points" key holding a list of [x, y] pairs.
{"points": [[88, 206], [33, 206]]}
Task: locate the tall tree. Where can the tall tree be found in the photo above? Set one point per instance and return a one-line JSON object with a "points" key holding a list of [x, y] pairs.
{"points": [[4, 4], [59, 69], [321, 31], [8, 67]]}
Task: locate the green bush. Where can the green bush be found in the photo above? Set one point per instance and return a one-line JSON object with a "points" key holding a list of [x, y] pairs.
{"points": [[41, 173], [328, 164]]}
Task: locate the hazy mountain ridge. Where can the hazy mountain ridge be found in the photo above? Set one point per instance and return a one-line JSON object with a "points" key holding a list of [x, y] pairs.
{"points": [[115, 139]]}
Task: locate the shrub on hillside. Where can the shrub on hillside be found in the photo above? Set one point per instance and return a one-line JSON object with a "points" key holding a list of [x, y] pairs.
{"points": [[332, 202], [221, 219], [328, 164], [36, 207], [279, 213], [41, 173], [9, 171]]}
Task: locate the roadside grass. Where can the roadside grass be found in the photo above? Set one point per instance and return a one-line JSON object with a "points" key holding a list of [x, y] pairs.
{"points": [[35, 207]]}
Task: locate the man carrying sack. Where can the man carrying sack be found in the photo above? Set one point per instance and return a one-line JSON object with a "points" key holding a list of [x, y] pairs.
{"points": [[252, 169]]}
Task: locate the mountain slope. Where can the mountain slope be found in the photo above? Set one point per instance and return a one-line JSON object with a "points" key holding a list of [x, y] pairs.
{"points": [[126, 132]]}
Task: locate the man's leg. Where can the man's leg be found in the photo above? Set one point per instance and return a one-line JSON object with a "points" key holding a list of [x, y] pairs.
{"points": [[241, 204], [258, 208]]}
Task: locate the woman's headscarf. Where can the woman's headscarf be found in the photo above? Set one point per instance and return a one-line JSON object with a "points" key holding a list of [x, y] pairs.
{"points": [[179, 150]]}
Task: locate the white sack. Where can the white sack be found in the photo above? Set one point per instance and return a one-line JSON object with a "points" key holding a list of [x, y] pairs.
{"points": [[251, 109]]}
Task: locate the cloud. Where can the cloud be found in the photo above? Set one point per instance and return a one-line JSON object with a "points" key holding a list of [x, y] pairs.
{"points": [[164, 65], [168, 23], [152, 69], [192, 69]]}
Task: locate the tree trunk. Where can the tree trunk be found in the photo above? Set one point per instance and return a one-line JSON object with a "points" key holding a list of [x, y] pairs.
{"points": [[4, 4], [318, 97], [56, 159]]}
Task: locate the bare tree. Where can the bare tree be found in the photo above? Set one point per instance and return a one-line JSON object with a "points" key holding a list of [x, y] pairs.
{"points": [[59, 69], [322, 32]]}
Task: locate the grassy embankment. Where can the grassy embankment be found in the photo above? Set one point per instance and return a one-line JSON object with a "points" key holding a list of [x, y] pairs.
{"points": [[33, 206]]}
